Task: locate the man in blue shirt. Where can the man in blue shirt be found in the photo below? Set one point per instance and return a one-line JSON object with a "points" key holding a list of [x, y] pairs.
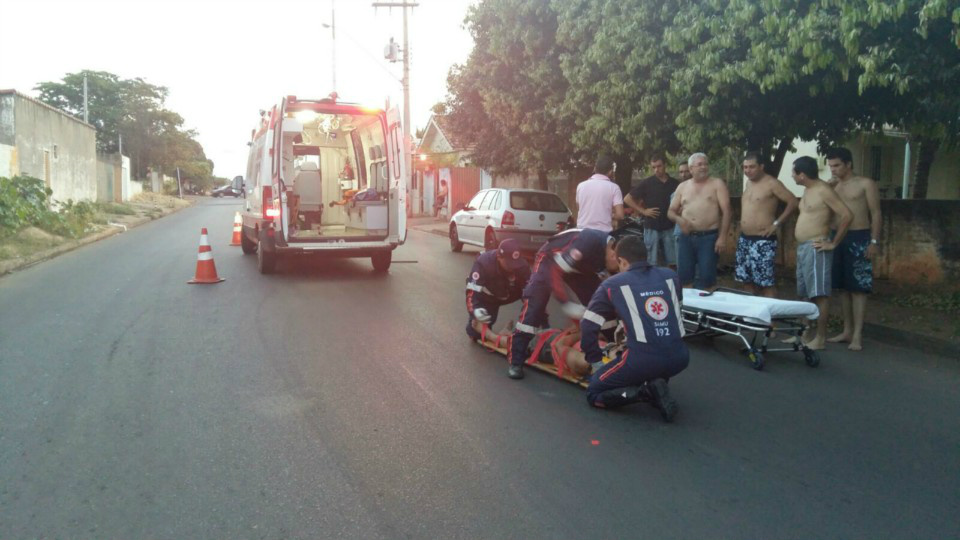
{"points": [[497, 278], [646, 299], [571, 260]]}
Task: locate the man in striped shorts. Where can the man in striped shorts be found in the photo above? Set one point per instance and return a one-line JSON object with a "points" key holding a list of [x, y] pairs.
{"points": [[818, 207]]}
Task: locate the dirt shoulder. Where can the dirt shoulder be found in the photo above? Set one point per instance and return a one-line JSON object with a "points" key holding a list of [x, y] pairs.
{"points": [[32, 245]]}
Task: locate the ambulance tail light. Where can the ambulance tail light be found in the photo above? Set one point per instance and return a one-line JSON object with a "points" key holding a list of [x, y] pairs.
{"points": [[271, 206], [509, 220]]}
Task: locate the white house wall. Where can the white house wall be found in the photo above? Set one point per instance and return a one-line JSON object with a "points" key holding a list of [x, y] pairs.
{"points": [[71, 145]]}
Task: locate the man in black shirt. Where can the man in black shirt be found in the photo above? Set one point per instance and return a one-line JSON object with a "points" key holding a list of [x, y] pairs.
{"points": [[651, 197]]}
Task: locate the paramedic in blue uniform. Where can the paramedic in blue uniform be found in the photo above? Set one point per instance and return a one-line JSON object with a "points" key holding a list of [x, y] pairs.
{"points": [[646, 299], [571, 260], [496, 279]]}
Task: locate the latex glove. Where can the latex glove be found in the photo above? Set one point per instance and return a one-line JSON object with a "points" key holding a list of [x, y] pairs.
{"points": [[481, 315]]}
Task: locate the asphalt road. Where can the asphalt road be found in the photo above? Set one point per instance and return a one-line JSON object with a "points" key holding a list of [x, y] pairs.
{"points": [[330, 402]]}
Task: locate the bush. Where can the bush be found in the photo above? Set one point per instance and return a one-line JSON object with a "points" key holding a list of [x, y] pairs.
{"points": [[25, 201]]}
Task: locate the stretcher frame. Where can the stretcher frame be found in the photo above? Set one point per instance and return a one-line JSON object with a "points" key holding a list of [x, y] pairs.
{"points": [[568, 376], [706, 323]]}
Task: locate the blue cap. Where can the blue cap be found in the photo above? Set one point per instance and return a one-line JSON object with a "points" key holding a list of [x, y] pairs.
{"points": [[509, 252]]}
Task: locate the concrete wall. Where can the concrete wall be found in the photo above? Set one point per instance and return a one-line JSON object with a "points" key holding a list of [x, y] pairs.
{"points": [[8, 161], [113, 178], [919, 242], [46, 143], [105, 178]]}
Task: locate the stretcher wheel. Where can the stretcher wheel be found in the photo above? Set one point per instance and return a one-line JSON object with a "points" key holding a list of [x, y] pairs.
{"points": [[812, 357], [756, 358]]}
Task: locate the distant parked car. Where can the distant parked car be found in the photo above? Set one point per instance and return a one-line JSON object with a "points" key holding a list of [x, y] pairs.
{"points": [[227, 191], [528, 215]]}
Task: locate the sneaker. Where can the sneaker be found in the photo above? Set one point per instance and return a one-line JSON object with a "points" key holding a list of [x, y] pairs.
{"points": [[660, 398], [515, 372]]}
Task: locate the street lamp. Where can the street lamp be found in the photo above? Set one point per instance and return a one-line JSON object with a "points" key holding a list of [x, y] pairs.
{"points": [[333, 50]]}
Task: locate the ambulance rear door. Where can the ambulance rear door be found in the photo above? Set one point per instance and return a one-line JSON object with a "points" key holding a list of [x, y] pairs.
{"points": [[397, 165]]}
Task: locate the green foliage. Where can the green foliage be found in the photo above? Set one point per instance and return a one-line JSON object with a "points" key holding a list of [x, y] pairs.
{"points": [[25, 202], [552, 82], [132, 108]]}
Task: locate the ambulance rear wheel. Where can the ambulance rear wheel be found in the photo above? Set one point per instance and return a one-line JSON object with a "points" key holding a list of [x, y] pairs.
{"points": [[812, 357], [248, 246], [381, 261], [266, 258], [456, 245]]}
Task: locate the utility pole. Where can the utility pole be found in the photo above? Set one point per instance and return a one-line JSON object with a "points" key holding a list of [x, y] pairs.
{"points": [[407, 142], [333, 33]]}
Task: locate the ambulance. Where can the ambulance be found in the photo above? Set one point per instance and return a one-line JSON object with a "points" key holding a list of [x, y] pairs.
{"points": [[325, 178]]}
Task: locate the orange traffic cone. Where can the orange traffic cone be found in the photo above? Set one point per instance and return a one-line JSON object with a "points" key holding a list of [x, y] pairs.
{"points": [[206, 270], [237, 225]]}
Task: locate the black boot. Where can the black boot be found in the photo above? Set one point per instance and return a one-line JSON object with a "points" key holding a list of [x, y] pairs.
{"points": [[618, 397], [515, 371], [660, 398]]}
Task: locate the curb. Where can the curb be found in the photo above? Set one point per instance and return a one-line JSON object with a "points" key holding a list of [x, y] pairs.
{"points": [[431, 231], [13, 265], [911, 340]]}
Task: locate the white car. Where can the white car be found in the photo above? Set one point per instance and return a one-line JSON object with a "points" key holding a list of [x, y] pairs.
{"points": [[530, 216]]}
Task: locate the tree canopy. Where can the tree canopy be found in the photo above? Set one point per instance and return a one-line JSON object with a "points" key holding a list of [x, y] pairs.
{"points": [[152, 135], [551, 83]]}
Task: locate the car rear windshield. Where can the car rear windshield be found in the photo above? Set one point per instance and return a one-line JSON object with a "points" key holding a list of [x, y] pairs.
{"points": [[536, 202]]}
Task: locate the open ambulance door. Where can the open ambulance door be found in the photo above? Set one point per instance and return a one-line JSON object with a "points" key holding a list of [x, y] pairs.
{"points": [[397, 153]]}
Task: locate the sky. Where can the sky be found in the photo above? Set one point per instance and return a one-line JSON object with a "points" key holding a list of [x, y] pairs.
{"points": [[224, 60]]}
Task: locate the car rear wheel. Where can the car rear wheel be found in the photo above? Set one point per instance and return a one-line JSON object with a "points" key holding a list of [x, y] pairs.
{"points": [[489, 240], [456, 245]]}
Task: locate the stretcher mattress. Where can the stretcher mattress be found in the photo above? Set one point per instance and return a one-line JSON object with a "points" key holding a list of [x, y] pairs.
{"points": [[754, 309]]}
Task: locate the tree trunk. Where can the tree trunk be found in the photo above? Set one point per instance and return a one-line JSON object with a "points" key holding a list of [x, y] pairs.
{"points": [[928, 149], [775, 164], [542, 182], [624, 175]]}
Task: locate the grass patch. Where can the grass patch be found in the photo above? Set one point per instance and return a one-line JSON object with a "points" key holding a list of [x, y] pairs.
{"points": [[116, 209]]}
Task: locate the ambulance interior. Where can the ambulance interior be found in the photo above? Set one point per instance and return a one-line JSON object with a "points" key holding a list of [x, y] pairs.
{"points": [[336, 178]]}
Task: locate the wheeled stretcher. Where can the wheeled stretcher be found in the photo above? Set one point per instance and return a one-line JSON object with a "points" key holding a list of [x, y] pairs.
{"points": [[737, 313]]}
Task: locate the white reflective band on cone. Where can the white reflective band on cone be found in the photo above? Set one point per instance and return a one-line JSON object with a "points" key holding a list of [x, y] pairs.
{"points": [[203, 240], [205, 256]]}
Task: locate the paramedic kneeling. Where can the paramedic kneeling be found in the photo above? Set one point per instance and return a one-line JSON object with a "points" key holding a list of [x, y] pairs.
{"points": [[497, 278], [647, 300], [569, 261]]}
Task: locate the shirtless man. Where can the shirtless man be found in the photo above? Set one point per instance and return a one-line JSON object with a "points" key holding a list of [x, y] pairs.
{"points": [[819, 207], [701, 207], [852, 260], [759, 224]]}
